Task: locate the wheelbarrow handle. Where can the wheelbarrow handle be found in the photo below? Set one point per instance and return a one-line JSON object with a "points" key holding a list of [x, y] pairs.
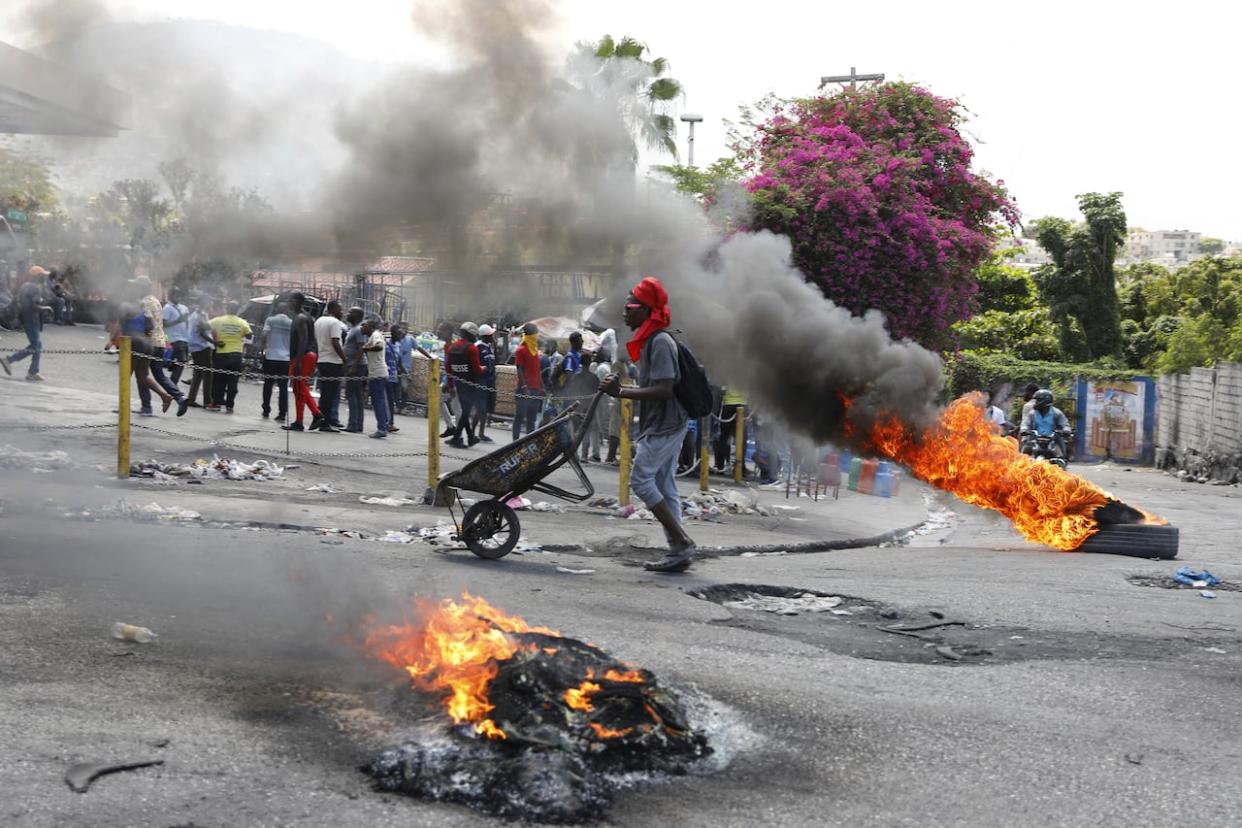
{"points": [[587, 418]]}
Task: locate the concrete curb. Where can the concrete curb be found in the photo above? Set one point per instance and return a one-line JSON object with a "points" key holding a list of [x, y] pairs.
{"points": [[803, 547]]}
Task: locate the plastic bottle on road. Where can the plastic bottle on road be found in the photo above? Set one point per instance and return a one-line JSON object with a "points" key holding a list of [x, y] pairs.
{"points": [[130, 632]]}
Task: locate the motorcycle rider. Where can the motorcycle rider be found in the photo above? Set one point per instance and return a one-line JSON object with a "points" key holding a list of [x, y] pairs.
{"points": [[1045, 420]]}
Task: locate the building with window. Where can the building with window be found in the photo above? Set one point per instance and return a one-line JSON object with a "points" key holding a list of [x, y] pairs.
{"points": [[1166, 247]]}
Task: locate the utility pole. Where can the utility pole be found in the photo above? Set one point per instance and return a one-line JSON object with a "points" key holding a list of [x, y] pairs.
{"points": [[691, 119], [852, 78]]}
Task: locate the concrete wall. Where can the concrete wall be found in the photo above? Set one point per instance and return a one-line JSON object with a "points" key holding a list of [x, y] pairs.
{"points": [[1199, 422]]}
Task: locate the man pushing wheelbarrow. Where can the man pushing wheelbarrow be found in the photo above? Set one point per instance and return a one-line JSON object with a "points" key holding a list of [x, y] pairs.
{"points": [[670, 387]]}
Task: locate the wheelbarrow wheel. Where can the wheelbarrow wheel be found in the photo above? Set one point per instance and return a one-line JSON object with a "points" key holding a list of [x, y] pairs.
{"points": [[490, 529]]}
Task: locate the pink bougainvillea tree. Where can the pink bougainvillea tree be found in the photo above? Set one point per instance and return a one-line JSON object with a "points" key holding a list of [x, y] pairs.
{"points": [[875, 189]]}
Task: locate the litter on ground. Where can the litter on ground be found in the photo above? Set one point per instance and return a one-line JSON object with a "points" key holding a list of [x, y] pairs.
{"points": [[217, 468], [376, 500]]}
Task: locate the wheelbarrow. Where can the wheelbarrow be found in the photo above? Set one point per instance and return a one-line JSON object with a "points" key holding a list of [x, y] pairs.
{"points": [[490, 528]]}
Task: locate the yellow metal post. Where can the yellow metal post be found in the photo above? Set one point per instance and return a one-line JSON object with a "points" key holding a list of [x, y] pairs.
{"points": [[433, 424], [739, 443], [705, 433], [124, 368], [627, 420]]}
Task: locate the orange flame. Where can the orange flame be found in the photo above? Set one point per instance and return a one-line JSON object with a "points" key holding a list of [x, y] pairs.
{"points": [[963, 455], [607, 733], [579, 698], [453, 648], [629, 676]]}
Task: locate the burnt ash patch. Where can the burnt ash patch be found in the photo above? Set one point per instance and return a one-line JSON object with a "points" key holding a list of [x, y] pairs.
{"points": [[559, 763], [886, 632]]}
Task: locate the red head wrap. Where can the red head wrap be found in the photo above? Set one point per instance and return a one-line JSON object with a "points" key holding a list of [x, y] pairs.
{"points": [[652, 294]]}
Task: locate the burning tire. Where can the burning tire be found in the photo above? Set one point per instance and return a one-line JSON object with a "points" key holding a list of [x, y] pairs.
{"points": [[490, 529], [1138, 540]]}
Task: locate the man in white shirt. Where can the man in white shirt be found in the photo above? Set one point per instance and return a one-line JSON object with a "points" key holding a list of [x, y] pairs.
{"points": [[377, 375], [329, 333], [176, 317]]}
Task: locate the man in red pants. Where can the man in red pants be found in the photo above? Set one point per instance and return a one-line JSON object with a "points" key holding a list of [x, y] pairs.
{"points": [[303, 354]]}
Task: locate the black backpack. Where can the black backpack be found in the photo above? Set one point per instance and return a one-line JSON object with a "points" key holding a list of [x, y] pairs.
{"points": [[693, 390]]}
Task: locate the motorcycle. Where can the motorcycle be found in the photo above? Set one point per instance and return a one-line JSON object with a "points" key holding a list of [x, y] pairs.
{"points": [[1046, 448]]}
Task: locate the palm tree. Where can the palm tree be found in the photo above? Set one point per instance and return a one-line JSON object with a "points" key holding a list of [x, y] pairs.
{"points": [[644, 93]]}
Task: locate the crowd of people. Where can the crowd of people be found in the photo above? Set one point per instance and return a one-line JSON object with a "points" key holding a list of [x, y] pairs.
{"points": [[346, 353]]}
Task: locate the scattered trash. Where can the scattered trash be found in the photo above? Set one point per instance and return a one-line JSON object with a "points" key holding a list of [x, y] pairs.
{"points": [[1196, 578], [326, 488], [763, 554], [1216, 650], [948, 652], [217, 468], [544, 506], [1134, 758], [782, 508], [343, 533], [517, 503], [397, 537], [80, 776], [569, 571], [386, 501], [439, 535], [131, 632], [1207, 593], [780, 605]]}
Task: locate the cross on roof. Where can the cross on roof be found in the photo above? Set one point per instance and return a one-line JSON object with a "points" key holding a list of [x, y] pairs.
{"points": [[852, 78]]}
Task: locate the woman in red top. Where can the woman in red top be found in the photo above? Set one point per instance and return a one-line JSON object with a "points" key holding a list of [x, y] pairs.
{"points": [[529, 382]]}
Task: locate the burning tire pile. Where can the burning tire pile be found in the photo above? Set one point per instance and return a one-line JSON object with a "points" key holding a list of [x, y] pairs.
{"points": [[545, 726]]}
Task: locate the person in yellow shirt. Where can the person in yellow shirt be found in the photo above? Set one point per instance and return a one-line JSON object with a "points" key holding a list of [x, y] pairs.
{"points": [[230, 329], [734, 401]]}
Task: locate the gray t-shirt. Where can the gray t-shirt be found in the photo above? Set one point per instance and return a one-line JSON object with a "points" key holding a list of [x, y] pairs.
{"points": [[352, 344], [277, 328], [658, 361]]}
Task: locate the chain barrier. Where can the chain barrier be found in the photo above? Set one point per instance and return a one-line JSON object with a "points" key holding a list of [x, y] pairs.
{"points": [[750, 414], [293, 452], [79, 427], [244, 374]]}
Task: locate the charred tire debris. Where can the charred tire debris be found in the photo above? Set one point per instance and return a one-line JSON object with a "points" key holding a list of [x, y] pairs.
{"points": [[558, 763]]}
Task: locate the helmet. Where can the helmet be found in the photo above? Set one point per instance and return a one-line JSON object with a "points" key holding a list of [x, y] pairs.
{"points": [[470, 328], [486, 330], [1043, 398]]}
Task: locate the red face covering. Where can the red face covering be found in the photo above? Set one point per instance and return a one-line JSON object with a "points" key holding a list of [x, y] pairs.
{"points": [[652, 294]]}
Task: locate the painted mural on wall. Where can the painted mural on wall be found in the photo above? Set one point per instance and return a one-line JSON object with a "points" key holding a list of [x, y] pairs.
{"points": [[1116, 419]]}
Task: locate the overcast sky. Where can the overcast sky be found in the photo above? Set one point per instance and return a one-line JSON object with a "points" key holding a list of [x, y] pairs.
{"points": [[1066, 97]]}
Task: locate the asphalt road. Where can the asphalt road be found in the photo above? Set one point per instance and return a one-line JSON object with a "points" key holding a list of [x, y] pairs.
{"points": [[1080, 696]]}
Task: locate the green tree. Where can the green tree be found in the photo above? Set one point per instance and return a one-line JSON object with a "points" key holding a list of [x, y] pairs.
{"points": [[705, 185], [1209, 246], [644, 92], [26, 183], [1080, 285], [1003, 287], [1196, 343], [132, 213], [178, 176]]}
